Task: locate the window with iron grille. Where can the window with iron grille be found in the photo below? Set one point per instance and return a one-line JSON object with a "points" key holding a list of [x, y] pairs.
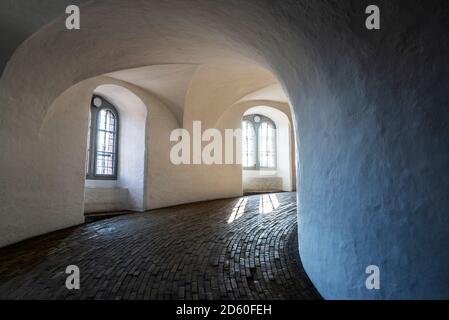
{"points": [[259, 142], [102, 152]]}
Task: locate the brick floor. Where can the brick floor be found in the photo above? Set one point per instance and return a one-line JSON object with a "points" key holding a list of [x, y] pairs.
{"points": [[195, 251]]}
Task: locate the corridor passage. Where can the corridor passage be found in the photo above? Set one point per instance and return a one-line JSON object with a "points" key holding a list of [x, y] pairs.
{"points": [[244, 248]]}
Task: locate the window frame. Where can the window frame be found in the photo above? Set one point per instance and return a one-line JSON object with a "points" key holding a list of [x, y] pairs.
{"points": [[256, 126], [92, 162]]}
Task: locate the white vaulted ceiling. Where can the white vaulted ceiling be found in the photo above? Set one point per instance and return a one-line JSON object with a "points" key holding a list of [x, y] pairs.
{"points": [[169, 83]]}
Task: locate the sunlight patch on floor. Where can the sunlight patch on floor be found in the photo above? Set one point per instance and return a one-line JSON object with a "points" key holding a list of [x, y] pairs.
{"points": [[238, 210], [268, 203]]}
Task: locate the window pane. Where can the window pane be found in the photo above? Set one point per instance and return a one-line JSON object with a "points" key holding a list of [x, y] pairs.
{"points": [[106, 141], [248, 144], [106, 120], [267, 145], [105, 163]]}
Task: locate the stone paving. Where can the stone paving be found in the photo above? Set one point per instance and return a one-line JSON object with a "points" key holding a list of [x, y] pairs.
{"points": [[244, 248]]}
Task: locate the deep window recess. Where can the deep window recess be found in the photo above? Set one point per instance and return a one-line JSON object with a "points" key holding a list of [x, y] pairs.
{"points": [[259, 142], [102, 152]]}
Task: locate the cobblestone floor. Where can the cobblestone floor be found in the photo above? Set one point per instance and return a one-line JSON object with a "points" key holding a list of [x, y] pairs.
{"points": [[243, 248]]}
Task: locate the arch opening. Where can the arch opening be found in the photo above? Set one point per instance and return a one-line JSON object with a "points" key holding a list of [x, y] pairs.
{"points": [[126, 191], [267, 151]]}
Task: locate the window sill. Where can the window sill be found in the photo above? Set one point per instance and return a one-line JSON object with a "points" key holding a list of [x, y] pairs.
{"points": [[100, 183]]}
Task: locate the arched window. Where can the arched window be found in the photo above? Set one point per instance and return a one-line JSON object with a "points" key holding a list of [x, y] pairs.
{"points": [[102, 153], [259, 142]]}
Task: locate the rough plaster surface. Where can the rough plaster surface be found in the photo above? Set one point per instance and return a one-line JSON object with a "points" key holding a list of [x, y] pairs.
{"points": [[105, 199], [370, 113], [261, 184]]}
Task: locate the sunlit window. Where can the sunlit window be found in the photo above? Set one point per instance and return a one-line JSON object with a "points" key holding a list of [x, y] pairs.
{"points": [[248, 144], [103, 144], [259, 142], [267, 145]]}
